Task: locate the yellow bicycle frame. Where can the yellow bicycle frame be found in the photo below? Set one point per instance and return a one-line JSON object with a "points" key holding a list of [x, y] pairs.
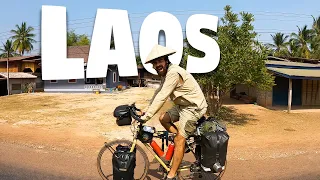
{"points": [[183, 168]]}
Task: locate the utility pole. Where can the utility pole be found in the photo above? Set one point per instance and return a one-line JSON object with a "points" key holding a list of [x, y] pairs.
{"points": [[8, 84]]}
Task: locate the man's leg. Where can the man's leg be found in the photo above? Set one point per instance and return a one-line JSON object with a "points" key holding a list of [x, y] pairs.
{"points": [[187, 120], [179, 145], [166, 122]]}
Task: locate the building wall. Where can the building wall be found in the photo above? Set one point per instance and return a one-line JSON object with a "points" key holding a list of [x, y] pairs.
{"points": [[13, 67], [113, 79], [264, 98], [3, 87], [18, 66], [310, 92], [15, 83], [250, 91], [64, 86], [30, 65]]}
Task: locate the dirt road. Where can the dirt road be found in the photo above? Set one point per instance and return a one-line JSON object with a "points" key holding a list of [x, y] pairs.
{"points": [[58, 136], [26, 162]]}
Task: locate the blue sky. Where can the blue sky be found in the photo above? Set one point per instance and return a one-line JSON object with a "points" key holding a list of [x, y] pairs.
{"points": [[271, 16]]}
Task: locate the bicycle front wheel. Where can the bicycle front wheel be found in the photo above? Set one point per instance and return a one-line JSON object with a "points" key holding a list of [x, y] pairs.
{"points": [[104, 160]]}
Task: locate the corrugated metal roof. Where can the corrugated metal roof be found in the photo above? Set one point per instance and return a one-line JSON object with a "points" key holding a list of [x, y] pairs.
{"points": [[17, 75], [292, 73], [19, 58], [285, 63]]}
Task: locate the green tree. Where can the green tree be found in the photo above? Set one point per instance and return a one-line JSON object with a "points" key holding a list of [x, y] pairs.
{"points": [[279, 44], [303, 39], [23, 38], [138, 60], [7, 52], [74, 39], [242, 59], [315, 42], [294, 48], [316, 25]]}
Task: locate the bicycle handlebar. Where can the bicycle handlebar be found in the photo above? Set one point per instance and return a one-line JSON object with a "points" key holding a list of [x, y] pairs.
{"points": [[133, 108]]}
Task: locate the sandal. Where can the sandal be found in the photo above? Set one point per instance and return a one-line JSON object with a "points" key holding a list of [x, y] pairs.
{"points": [[174, 178]]}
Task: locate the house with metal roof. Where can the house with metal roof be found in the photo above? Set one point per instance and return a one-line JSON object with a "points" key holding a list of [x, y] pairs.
{"points": [[19, 82], [21, 70], [110, 81], [297, 84]]}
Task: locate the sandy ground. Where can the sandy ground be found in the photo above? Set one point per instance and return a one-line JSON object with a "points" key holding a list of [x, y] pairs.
{"points": [[264, 144]]}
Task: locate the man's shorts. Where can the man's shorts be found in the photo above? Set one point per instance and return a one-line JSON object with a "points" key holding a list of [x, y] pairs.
{"points": [[187, 117]]}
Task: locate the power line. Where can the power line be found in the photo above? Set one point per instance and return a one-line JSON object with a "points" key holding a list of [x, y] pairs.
{"points": [[265, 13]]}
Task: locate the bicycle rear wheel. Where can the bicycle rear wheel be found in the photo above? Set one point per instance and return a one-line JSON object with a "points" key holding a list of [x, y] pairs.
{"points": [[104, 160], [190, 169]]}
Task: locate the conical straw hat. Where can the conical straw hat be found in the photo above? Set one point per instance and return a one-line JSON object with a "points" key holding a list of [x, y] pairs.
{"points": [[159, 51]]}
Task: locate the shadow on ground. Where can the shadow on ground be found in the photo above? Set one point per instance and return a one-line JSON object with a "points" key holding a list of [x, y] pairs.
{"points": [[229, 115], [188, 159]]}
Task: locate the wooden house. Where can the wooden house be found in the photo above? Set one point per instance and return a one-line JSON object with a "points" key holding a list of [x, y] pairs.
{"points": [[144, 78], [22, 70]]}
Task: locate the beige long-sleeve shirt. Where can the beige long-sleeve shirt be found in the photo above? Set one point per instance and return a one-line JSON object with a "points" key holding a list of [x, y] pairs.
{"points": [[181, 87]]}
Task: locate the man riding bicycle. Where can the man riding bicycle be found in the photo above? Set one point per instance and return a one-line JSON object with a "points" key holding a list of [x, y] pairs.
{"points": [[189, 101]]}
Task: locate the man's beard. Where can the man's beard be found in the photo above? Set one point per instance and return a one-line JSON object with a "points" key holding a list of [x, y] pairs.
{"points": [[161, 70]]}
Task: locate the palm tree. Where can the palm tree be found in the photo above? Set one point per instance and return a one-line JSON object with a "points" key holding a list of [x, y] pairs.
{"points": [[316, 25], [279, 43], [293, 48], [315, 42], [23, 38], [8, 51], [303, 38]]}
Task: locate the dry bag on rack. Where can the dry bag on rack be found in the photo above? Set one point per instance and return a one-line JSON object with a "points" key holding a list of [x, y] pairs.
{"points": [[123, 163], [122, 113], [214, 146]]}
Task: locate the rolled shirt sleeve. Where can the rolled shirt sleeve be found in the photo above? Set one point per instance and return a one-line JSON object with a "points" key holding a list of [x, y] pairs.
{"points": [[170, 83]]}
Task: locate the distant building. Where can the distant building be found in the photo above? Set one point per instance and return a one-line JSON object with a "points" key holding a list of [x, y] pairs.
{"points": [[111, 80], [23, 70], [297, 84]]}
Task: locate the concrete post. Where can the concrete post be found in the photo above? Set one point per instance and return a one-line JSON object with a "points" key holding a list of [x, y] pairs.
{"points": [[290, 95]]}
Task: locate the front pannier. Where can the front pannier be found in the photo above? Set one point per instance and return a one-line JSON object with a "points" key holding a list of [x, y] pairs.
{"points": [[123, 163], [122, 113]]}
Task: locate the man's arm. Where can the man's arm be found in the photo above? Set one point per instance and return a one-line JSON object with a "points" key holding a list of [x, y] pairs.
{"points": [[155, 93], [168, 86]]}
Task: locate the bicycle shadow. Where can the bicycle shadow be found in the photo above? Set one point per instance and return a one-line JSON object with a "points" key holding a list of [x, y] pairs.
{"points": [[154, 172]]}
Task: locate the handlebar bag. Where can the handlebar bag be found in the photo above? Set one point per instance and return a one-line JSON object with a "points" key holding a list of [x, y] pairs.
{"points": [[123, 163], [122, 113]]}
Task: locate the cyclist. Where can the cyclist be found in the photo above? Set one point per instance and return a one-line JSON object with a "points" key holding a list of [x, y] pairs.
{"points": [[189, 101]]}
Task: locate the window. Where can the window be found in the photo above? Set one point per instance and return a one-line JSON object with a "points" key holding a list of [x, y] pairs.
{"points": [[99, 80], [72, 81], [53, 81], [114, 77], [16, 87]]}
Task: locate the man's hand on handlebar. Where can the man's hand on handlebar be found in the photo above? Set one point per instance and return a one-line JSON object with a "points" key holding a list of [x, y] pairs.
{"points": [[140, 113]]}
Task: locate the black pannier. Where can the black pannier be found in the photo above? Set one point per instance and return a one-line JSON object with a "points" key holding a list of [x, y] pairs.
{"points": [[123, 163], [122, 113], [214, 146]]}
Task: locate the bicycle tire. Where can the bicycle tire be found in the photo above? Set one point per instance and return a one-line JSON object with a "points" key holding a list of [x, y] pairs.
{"points": [[116, 142]]}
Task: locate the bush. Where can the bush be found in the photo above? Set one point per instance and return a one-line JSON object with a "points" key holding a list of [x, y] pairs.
{"points": [[29, 87], [119, 87]]}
